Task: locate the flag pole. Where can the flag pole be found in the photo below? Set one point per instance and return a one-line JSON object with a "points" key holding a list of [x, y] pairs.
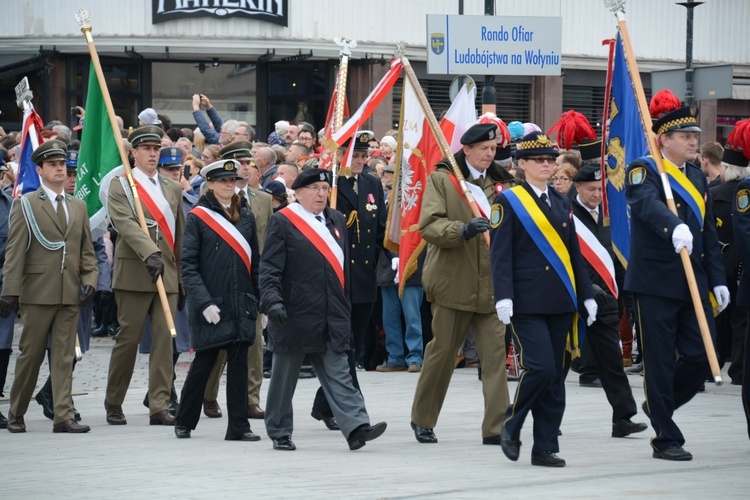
{"points": [[442, 142], [338, 111], [83, 19], [617, 7]]}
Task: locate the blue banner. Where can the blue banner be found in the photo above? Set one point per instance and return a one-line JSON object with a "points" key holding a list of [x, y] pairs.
{"points": [[627, 142]]}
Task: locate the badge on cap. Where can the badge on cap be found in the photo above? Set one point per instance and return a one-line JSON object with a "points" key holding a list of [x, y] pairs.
{"points": [[743, 200], [491, 134], [637, 175], [598, 175], [322, 176], [173, 152], [543, 140], [496, 216], [228, 165]]}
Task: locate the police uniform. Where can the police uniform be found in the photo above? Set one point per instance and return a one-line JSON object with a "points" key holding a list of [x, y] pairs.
{"points": [[603, 337], [542, 300], [48, 258], [259, 203], [655, 275], [457, 282], [135, 291]]}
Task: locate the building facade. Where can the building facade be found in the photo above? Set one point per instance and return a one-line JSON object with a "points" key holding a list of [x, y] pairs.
{"points": [[265, 60]]}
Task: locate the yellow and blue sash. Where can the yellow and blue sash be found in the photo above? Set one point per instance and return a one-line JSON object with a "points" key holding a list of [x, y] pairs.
{"points": [[681, 185], [548, 240]]}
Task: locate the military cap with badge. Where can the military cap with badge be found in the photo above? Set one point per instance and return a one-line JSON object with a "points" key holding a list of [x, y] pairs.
{"points": [[71, 161], [148, 135], [49, 150], [311, 176], [535, 143], [170, 157], [589, 173], [239, 150], [222, 169]]}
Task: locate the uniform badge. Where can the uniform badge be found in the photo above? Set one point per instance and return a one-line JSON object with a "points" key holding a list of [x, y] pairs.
{"points": [[743, 200], [637, 175], [496, 216], [499, 188]]}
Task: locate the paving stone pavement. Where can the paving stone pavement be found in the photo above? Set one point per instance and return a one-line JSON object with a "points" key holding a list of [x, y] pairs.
{"points": [[142, 461]]}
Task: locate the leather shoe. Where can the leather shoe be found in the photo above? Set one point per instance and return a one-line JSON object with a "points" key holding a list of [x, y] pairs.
{"points": [[511, 446], [623, 428], [492, 440], [161, 418], [182, 432], [359, 436], [547, 459], [115, 416], [70, 426], [3, 421], [245, 436], [211, 409], [15, 424], [45, 401], [255, 411], [423, 435], [676, 453], [283, 443], [590, 383], [329, 421]]}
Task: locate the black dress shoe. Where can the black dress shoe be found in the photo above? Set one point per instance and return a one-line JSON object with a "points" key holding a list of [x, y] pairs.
{"points": [[283, 443], [181, 432], [245, 436], [547, 459], [492, 440], [45, 401], [623, 428], [99, 331], [364, 433], [145, 400], [3, 421], [676, 453], [76, 415], [590, 383], [173, 405], [511, 446], [423, 435], [329, 421]]}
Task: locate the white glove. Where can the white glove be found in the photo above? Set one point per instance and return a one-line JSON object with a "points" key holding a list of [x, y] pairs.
{"points": [[264, 320], [504, 310], [592, 308], [211, 313], [682, 237], [722, 296], [394, 266]]}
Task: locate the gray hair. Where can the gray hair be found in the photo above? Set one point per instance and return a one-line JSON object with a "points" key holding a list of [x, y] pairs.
{"points": [[231, 126], [63, 133], [733, 172]]}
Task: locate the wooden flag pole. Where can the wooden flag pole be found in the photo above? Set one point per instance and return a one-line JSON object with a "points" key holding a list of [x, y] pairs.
{"points": [[83, 19], [338, 110], [616, 6]]}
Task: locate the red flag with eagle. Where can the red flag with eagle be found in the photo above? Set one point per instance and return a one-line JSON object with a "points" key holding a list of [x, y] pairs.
{"points": [[416, 155]]}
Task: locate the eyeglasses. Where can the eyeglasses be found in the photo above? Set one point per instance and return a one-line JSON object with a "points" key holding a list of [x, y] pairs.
{"points": [[324, 189], [561, 179], [540, 159]]}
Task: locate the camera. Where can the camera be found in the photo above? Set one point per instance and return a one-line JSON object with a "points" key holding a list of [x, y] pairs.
{"points": [[73, 111]]}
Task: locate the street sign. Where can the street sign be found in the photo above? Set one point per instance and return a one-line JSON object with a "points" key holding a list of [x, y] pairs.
{"points": [[493, 45], [709, 82]]}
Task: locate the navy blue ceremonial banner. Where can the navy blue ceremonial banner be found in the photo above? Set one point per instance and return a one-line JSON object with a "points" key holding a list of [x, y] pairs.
{"points": [[627, 141]]}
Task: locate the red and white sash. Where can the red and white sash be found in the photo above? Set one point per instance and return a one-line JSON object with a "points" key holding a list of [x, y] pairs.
{"points": [[157, 205], [318, 235], [596, 255], [227, 232], [477, 192]]}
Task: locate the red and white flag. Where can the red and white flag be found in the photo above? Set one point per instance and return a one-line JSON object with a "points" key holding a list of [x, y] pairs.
{"points": [[326, 153]]}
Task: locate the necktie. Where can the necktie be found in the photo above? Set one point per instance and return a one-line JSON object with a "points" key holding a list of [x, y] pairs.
{"points": [[320, 219], [594, 215], [353, 182], [545, 199], [242, 194], [153, 181], [61, 213]]}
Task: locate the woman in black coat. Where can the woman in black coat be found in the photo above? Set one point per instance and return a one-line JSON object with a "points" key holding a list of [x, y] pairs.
{"points": [[219, 268]]}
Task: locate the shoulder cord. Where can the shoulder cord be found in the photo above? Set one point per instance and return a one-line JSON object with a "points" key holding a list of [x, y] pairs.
{"points": [[131, 201], [33, 227]]}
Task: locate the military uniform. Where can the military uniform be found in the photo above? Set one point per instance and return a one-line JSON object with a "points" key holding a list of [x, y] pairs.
{"points": [[45, 268], [135, 290], [457, 282], [656, 277]]}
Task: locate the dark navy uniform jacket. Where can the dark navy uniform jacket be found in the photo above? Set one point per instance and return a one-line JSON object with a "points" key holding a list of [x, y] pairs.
{"points": [[365, 245], [741, 224], [522, 273], [654, 267]]}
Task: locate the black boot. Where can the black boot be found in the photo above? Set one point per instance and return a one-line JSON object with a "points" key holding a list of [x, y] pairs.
{"points": [[172, 406], [76, 415], [44, 398], [4, 360]]}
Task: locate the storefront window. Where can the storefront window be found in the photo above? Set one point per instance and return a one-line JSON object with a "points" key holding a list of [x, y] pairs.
{"points": [[297, 93]]}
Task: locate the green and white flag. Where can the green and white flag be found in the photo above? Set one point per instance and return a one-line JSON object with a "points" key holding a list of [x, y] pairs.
{"points": [[98, 156]]}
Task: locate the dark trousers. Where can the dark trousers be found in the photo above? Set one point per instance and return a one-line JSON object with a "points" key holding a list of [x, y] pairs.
{"points": [[360, 322], [541, 388], [731, 330], [669, 325], [746, 382], [191, 400], [320, 404]]}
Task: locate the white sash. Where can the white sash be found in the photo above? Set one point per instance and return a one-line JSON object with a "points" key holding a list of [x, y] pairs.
{"points": [[320, 229], [480, 198], [238, 242], [157, 196]]}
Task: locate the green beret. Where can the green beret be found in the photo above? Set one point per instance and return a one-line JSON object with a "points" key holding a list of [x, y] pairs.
{"points": [[49, 150], [149, 134]]}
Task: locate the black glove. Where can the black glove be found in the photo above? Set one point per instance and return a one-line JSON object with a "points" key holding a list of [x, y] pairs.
{"points": [[474, 227], [277, 313], [103, 298], [181, 297], [154, 266], [9, 303], [88, 295]]}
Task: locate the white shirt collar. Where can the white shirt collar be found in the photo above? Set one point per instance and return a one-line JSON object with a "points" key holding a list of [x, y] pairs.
{"points": [[538, 192], [578, 199], [475, 174], [52, 195]]}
